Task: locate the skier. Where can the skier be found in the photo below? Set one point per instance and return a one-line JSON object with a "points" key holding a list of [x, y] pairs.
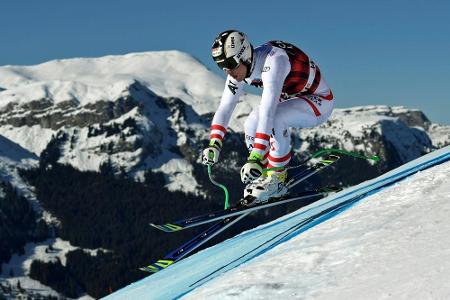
{"points": [[294, 95]]}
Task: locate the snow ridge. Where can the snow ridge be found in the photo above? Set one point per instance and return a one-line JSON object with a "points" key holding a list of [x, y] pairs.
{"points": [[167, 73]]}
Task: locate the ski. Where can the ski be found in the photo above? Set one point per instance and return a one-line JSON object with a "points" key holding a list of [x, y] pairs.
{"points": [[240, 209], [214, 230], [192, 244], [310, 171]]}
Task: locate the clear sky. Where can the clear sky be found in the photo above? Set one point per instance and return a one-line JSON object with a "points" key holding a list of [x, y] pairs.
{"points": [[370, 52]]}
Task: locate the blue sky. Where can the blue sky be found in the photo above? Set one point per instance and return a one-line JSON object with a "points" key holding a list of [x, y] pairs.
{"points": [[370, 52]]}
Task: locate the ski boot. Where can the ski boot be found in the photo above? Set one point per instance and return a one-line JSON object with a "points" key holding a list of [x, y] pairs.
{"points": [[265, 188]]}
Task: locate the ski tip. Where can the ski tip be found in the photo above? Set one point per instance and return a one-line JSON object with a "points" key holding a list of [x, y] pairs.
{"points": [[167, 227], [375, 158], [148, 269], [157, 266], [331, 158]]}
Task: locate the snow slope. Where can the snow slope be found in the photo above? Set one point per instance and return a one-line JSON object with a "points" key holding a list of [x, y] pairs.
{"points": [[12, 157], [393, 244]]}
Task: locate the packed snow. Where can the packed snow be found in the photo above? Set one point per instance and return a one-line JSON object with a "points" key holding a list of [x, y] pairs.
{"points": [[393, 245], [390, 241]]}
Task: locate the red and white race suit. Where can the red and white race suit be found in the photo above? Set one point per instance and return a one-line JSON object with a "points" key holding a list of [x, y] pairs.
{"points": [[294, 95]]}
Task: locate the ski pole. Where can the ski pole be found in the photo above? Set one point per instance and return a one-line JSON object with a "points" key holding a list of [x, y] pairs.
{"points": [[374, 158], [224, 188], [321, 152]]}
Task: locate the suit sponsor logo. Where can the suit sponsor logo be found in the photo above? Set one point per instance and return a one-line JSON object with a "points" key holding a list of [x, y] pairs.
{"points": [[249, 140], [316, 99], [283, 45], [233, 87], [257, 83]]}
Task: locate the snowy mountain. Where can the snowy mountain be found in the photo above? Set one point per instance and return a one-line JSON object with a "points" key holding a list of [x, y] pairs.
{"points": [[395, 133], [151, 111], [140, 110], [376, 240], [120, 109]]}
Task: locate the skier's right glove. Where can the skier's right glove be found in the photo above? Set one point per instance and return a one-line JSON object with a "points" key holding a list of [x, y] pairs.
{"points": [[211, 154]]}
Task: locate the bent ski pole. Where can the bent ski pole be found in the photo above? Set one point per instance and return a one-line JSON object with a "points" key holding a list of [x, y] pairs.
{"points": [[224, 188]]}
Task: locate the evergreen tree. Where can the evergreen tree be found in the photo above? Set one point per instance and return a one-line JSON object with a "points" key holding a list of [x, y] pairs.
{"points": [[19, 286], [103, 211], [17, 222], [54, 274]]}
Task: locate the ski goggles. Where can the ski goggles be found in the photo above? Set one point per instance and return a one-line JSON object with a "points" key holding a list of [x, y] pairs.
{"points": [[229, 63]]}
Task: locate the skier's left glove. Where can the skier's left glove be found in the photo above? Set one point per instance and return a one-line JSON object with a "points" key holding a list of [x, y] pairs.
{"points": [[253, 168], [210, 155]]}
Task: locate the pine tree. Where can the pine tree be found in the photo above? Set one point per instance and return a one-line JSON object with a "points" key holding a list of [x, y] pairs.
{"points": [[19, 286]]}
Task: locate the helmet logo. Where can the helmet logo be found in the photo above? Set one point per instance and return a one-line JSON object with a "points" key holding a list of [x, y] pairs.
{"points": [[230, 48], [216, 51], [241, 52]]}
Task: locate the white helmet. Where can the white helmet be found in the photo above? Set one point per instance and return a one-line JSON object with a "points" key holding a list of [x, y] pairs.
{"points": [[230, 48]]}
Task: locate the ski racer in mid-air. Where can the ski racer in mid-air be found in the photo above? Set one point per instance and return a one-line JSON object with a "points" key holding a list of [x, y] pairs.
{"points": [[294, 95]]}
